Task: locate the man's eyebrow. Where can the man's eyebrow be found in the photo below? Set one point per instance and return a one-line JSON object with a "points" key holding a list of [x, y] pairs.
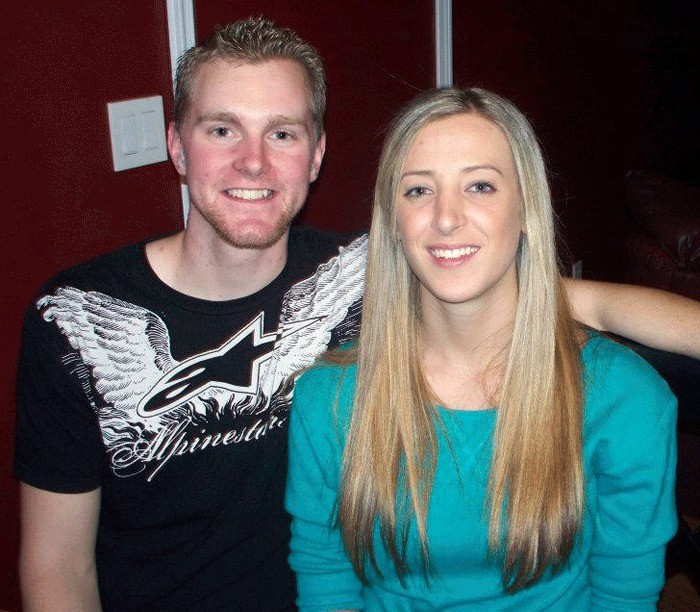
{"points": [[222, 117], [232, 118], [287, 120]]}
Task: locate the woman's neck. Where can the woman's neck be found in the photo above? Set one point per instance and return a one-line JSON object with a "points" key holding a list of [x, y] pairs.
{"points": [[464, 348]]}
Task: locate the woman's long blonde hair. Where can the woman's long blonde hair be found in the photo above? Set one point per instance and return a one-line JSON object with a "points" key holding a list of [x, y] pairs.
{"points": [[536, 476]]}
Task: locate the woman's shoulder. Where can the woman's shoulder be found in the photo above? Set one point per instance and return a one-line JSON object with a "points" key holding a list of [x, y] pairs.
{"points": [[619, 384], [617, 363], [324, 373], [330, 381]]}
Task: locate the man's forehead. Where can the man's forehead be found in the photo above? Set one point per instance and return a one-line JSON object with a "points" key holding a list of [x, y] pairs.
{"points": [[285, 71], [278, 84]]}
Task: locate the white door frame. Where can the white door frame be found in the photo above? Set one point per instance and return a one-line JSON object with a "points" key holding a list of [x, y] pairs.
{"points": [[443, 43], [182, 37]]}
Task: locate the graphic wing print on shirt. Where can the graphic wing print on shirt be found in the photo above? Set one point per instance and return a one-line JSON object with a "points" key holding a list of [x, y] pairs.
{"points": [[127, 350], [320, 303], [149, 399], [126, 347]]}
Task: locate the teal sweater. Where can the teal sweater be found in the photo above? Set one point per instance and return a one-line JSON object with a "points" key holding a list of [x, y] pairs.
{"points": [[629, 461]]}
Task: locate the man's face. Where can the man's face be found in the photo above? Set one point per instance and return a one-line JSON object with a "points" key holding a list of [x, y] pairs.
{"points": [[247, 150]]}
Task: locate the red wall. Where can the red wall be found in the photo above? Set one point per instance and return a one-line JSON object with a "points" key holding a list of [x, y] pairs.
{"points": [[62, 202]]}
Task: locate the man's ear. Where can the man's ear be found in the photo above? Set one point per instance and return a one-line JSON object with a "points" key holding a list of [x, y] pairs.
{"points": [[176, 150], [318, 153]]}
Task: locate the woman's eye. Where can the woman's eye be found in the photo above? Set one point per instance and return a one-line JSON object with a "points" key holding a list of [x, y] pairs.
{"points": [[416, 192], [482, 187]]}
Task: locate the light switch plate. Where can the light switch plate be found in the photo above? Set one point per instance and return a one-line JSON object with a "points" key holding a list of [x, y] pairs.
{"points": [[137, 130]]}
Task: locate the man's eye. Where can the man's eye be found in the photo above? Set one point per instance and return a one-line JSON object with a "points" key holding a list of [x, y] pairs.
{"points": [[221, 132], [482, 187], [282, 135]]}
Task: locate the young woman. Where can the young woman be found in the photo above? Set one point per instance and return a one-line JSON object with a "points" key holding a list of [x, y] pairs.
{"points": [[476, 449]]}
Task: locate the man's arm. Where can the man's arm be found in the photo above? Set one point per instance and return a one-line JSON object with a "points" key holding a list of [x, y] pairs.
{"points": [[659, 319], [57, 551]]}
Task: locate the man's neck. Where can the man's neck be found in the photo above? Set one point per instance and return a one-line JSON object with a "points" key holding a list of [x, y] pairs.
{"points": [[214, 270]]}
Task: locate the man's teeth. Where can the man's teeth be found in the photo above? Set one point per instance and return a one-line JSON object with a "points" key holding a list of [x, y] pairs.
{"points": [[454, 253], [250, 194]]}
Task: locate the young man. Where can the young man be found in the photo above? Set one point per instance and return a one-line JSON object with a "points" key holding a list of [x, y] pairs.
{"points": [[154, 381]]}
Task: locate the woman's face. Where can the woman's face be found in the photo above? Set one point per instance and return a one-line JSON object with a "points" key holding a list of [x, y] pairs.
{"points": [[458, 211]]}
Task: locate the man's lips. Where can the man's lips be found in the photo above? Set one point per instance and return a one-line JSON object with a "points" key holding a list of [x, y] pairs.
{"points": [[250, 194]]}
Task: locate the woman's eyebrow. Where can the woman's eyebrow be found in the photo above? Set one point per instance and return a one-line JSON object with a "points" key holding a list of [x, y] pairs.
{"points": [[465, 170]]}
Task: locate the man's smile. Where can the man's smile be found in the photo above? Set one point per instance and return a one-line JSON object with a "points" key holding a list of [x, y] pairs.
{"points": [[250, 194]]}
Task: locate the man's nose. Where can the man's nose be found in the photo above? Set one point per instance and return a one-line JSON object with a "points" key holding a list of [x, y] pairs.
{"points": [[252, 157]]}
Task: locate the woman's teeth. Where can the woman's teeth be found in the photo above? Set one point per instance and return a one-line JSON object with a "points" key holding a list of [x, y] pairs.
{"points": [[454, 253]]}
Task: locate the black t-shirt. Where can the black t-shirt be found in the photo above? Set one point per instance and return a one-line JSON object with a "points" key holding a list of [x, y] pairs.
{"points": [[177, 408]]}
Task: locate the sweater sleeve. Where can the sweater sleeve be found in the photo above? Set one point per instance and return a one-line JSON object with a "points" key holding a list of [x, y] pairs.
{"points": [[325, 577], [634, 466]]}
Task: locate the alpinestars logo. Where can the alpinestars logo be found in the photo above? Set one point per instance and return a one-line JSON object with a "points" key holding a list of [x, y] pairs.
{"points": [[153, 408], [196, 374]]}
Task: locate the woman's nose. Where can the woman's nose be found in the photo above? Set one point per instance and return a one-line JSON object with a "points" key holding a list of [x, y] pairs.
{"points": [[450, 213]]}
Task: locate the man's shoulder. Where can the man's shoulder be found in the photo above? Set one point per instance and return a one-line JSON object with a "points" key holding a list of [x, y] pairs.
{"points": [[73, 303], [320, 244], [92, 273], [94, 270], [120, 275]]}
